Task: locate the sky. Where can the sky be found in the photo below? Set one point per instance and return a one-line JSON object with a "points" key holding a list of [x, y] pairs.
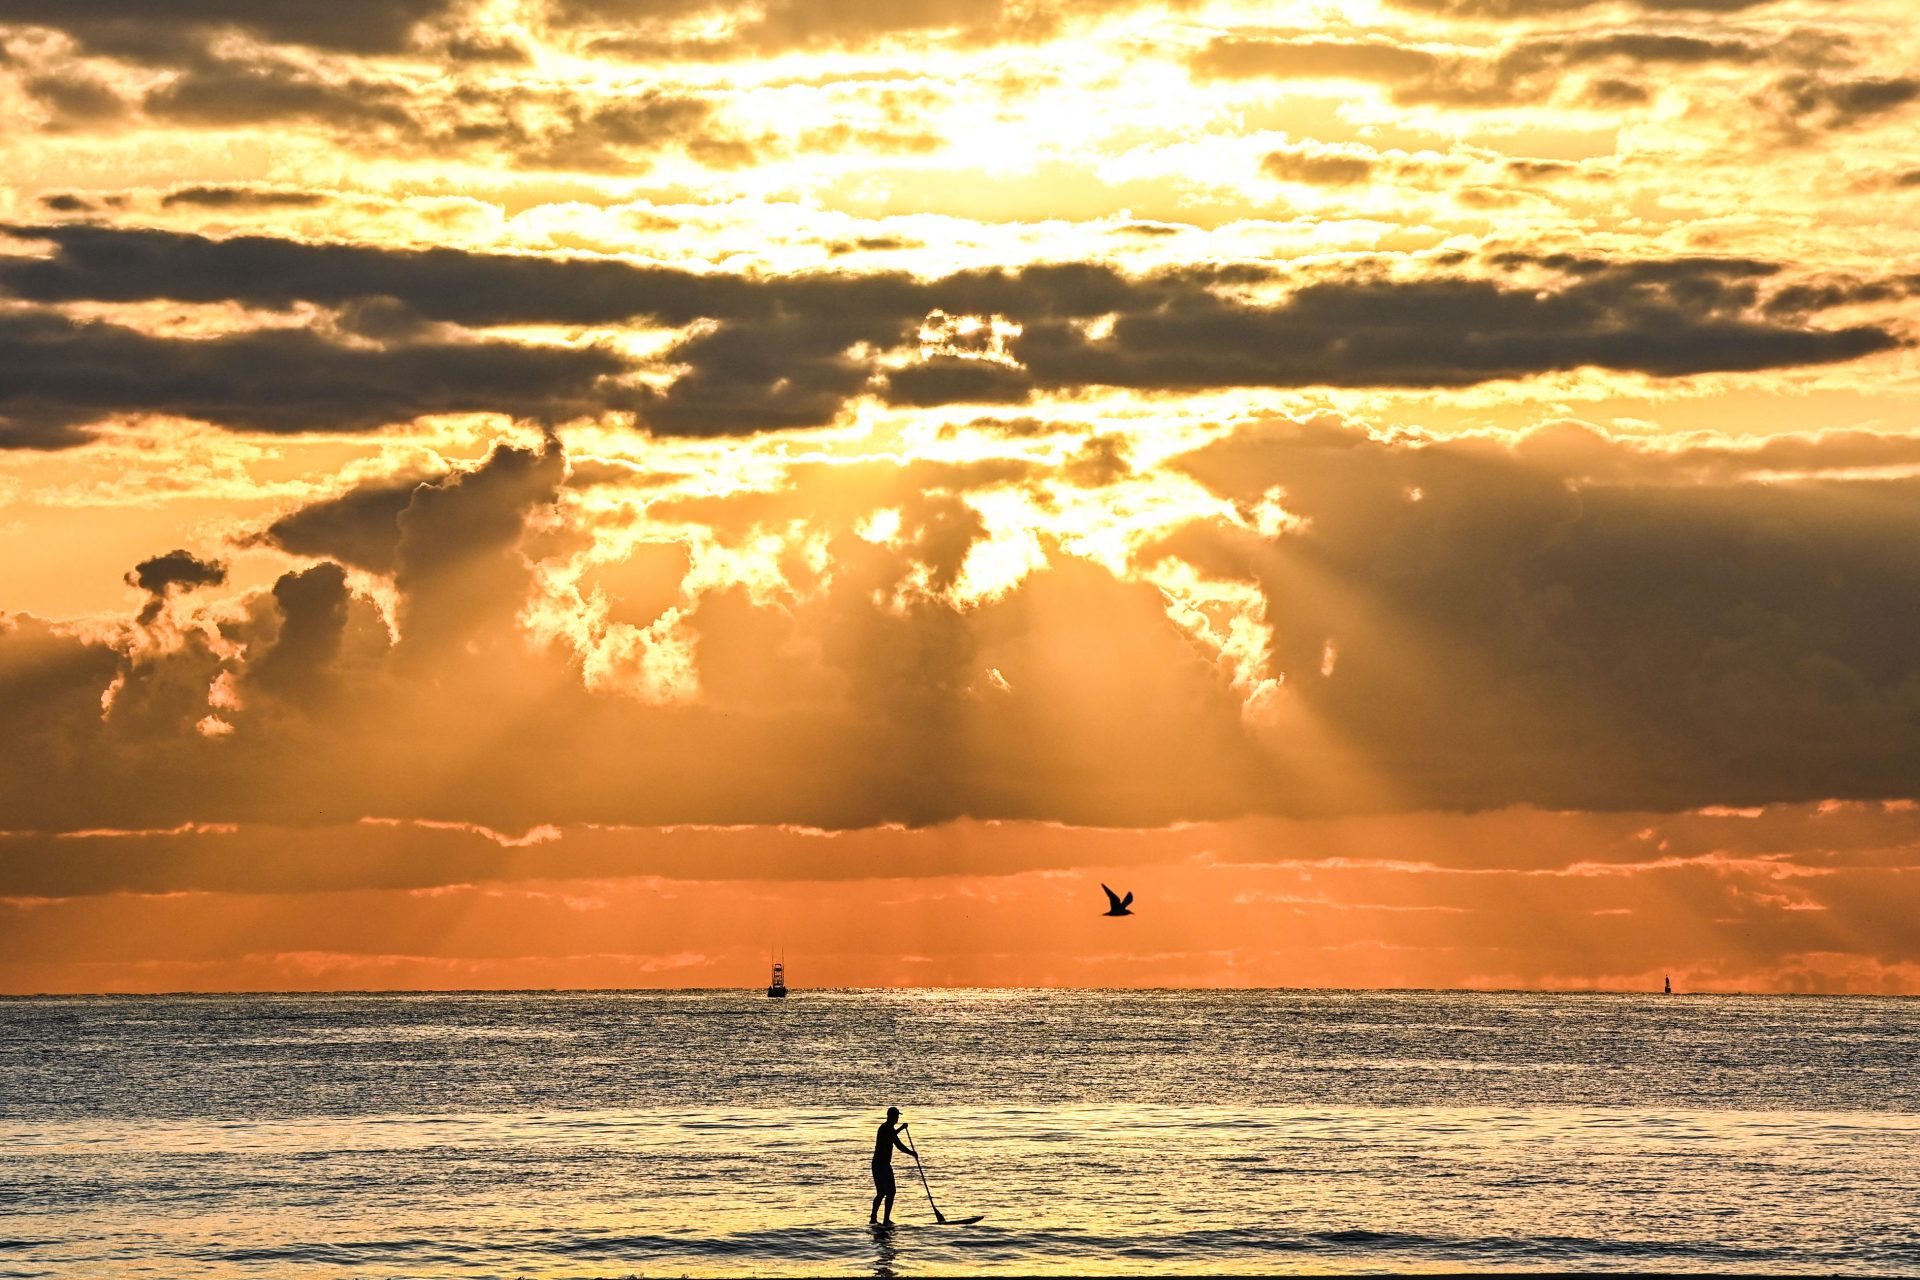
{"points": [[580, 493]]}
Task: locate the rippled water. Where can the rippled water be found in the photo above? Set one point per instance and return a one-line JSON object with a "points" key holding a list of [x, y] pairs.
{"points": [[615, 1134]]}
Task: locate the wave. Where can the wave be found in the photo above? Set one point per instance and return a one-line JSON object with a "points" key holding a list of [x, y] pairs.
{"points": [[988, 1246]]}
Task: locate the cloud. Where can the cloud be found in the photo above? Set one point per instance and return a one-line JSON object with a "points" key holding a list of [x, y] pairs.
{"points": [[1564, 621], [542, 128], [457, 562], [951, 380], [1458, 860], [486, 48], [276, 906], [1525, 9], [212, 197], [1633, 638], [360, 527], [161, 576], [62, 375], [1530, 69], [486, 289], [138, 31], [76, 99], [1807, 101], [1318, 167], [792, 351], [51, 683], [1297, 58], [398, 109], [228, 93], [1445, 332], [176, 569], [656, 29], [610, 134], [315, 610]]}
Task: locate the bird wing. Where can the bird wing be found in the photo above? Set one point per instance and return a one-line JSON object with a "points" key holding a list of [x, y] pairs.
{"points": [[1114, 899], [1128, 900]]}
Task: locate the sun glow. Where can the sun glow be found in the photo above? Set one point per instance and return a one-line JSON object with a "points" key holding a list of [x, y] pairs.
{"points": [[946, 430]]}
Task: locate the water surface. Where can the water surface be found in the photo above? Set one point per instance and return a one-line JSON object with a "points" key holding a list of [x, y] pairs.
{"points": [[616, 1134]]}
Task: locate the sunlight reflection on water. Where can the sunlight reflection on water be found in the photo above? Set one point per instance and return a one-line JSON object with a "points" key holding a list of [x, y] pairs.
{"points": [[624, 1134]]}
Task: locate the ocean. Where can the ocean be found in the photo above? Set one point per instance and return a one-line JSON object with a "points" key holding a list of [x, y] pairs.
{"points": [[612, 1134]]}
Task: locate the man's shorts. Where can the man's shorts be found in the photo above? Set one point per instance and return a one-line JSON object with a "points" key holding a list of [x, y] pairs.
{"points": [[883, 1178]]}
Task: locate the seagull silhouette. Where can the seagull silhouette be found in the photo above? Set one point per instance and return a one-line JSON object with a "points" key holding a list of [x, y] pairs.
{"points": [[1117, 905]]}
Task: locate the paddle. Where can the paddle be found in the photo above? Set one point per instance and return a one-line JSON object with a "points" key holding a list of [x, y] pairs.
{"points": [[938, 1216]]}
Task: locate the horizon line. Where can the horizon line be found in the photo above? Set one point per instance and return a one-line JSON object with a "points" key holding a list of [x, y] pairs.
{"points": [[755, 990]]}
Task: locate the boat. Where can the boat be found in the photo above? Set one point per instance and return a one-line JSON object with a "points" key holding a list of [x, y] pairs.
{"points": [[777, 989]]}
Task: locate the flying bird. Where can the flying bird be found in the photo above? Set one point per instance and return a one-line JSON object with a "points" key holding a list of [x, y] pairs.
{"points": [[1117, 905]]}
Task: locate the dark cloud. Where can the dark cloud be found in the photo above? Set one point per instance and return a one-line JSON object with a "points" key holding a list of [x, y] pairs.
{"points": [[51, 682], [1614, 92], [1697, 271], [1637, 638], [315, 609], [645, 29], [457, 561], [952, 380], [235, 93], [1820, 295], [1541, 170], [142, 31], [242, 198], [1641, 46], [360, 527], [1521, 9], [57, 375], [483, 47], [1299, 58], [75, 99], [608, 133], [781, 358], [1444, 332], [781, 371], [1806, 102], [67, 203], [1318, 168], [397, 109], [479, 289], [175, 571], [1411, 75], [1530, 69], [872, 244], [790, 351]]}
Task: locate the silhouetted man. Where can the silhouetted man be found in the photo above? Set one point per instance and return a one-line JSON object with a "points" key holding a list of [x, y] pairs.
{"points": [[884, 1142]]}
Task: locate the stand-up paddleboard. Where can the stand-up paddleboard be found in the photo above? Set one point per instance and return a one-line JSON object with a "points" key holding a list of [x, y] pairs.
{"points": [[938, 1216]]}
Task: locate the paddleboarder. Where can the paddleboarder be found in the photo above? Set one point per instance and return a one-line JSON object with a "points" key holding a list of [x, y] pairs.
{"points": [[884, 1141]]}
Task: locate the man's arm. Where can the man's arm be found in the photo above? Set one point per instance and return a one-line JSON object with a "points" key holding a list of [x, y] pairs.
{"points": [[903, 1146]]}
